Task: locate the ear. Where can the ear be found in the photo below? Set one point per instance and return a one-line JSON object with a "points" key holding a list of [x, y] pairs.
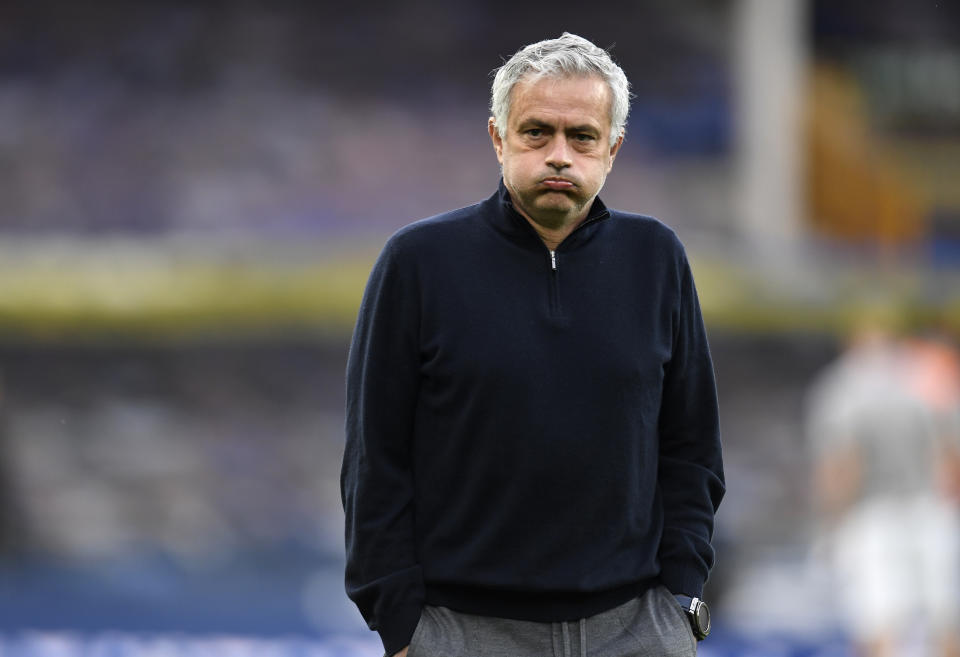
{"points": [[495, 138], [614, 150]]}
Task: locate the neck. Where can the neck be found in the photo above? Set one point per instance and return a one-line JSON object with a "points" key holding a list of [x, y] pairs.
{"points": [[552, 237]]}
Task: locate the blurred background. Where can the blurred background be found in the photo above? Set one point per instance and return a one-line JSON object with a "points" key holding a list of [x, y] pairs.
{"points": [[192, 195]]}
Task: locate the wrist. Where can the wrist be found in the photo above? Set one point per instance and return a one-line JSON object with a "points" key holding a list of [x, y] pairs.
{"points": [[698, 613]]}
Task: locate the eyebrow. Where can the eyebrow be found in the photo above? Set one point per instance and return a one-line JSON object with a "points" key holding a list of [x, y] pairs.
{"points": [[538, 123], [583, 128]]}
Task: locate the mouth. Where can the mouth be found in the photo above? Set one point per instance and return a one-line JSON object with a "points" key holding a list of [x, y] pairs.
{"points": [[557, 184]]}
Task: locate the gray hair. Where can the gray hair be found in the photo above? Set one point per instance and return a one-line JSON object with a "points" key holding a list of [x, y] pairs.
{"points": [[567, 55]]}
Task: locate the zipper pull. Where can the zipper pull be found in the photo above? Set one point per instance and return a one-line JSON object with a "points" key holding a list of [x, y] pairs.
{"points": [[553, 260]]}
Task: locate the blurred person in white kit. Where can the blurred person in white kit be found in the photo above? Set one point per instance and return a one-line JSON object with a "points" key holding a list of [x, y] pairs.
{"points": [[884, 426]]}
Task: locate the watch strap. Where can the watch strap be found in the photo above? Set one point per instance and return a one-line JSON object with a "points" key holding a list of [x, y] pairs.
{"points": [[686, 602]]}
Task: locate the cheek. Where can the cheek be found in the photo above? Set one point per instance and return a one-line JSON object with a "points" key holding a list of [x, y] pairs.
{"points": [[507, 171], [604, 164], [515, 164]]}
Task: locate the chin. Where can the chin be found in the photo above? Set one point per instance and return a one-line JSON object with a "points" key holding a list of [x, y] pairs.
{"points": [[556, 212], [557, 202]]}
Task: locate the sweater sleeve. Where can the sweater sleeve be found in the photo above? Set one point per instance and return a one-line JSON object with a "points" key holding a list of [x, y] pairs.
{"points": [[383, 577], [690, 471]]}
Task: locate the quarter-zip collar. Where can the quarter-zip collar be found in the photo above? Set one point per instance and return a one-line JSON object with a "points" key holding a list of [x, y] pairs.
{"points": [[500, 211]]}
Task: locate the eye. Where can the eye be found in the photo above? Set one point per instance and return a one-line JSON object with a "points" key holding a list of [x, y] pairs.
{"points": [[534, 132], [584, 137]]}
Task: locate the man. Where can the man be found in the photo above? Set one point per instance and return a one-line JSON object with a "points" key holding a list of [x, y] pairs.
{"points": [[533, 459]]}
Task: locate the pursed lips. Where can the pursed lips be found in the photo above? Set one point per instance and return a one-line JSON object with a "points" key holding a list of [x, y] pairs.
{"points": [[557, 184]]}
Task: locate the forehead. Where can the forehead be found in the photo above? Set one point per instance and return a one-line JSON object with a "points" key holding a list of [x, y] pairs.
{"points": [[571, 98]]}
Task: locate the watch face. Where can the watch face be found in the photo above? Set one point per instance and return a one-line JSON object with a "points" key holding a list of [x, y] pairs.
{"points": [[702, 616]]}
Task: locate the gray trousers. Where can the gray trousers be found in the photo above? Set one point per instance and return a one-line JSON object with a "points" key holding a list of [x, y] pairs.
{"points": [[652, 625]]}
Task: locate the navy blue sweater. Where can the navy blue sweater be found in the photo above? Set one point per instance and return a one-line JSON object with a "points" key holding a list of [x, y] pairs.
{"points": [[530, 435]]}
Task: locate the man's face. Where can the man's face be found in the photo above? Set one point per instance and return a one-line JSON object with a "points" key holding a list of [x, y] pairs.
{"points": [[556, 153]]}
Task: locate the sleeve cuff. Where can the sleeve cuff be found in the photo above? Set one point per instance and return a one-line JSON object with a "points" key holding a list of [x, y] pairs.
{"points": [[680, 579], [396, 632]]}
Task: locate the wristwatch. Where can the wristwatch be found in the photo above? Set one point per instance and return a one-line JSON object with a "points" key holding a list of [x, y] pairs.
{"points": [[699, 614]]}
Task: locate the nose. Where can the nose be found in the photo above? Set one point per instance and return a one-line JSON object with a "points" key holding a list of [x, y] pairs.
{"points": [[558, 155]]}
